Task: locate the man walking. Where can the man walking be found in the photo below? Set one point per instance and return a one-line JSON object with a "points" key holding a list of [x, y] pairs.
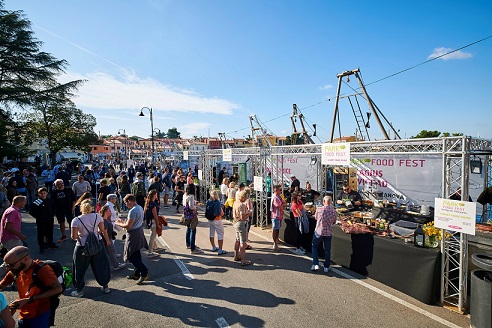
{"points": [[80, 186], [11, 223], [135, 239], [43, 210], [64, 199], [34, 302], [326, 217], [138, 189], [48, 177]]}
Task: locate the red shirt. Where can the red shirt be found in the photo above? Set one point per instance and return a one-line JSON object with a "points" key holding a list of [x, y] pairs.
{"points": [[24, 280], [296, 206]]}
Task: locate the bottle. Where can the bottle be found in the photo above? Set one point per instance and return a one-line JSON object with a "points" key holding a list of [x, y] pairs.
{"points": [[419, 237], [408, 207]]}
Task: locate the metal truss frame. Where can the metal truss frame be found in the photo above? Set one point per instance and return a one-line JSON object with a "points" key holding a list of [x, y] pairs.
{"points": [[455, 151]]}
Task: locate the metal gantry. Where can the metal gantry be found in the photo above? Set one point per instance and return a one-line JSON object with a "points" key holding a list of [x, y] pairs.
{"points": [[455, 151]]}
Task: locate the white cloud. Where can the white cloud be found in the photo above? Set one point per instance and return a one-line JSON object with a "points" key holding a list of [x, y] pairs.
{"points": [[104, 91], [194, 129], [455, 55], [326, 86]]}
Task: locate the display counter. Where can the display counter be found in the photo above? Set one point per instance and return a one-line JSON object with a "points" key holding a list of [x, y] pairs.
{"points": [[412, 270]]}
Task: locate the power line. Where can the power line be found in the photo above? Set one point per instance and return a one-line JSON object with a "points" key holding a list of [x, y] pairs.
{"points": [[381, 79]]}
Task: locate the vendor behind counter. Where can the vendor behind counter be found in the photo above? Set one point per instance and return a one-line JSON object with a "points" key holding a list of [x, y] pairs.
{"points": [[348, 197]]}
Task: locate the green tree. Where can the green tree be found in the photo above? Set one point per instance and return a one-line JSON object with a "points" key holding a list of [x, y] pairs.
{"points": [[173, 133], [12, 135], [427, 134], [135, 138], [23, 66], [62, 125]]}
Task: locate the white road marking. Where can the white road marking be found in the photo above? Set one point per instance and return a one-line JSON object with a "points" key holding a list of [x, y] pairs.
{"points": [[178, 261], [377, 290], [222, 322]]}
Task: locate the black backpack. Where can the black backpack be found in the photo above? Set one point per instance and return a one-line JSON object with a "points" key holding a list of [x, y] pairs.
{"points": [[64, 276], [209, 210]]}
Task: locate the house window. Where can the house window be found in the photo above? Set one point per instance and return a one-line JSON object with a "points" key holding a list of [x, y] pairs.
{"points": [[94, 148]]}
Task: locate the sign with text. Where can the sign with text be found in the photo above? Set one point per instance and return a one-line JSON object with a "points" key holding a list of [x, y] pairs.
{"points": [[200, 175], [455, 215], [258, 183], [185, 155], [337, 154], [227, 155]]}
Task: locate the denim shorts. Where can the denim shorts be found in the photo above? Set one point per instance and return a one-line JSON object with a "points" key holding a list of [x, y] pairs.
{"points": [[277, 223]]}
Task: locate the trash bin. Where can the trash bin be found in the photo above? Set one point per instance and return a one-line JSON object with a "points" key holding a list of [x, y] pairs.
{"points": [[481, 291]]}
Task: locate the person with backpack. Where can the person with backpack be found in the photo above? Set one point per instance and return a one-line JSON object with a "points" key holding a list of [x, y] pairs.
{"points": [[89, 250], [166, 181], [138, 190], [36, 302], [214, 213], [190, 203]]}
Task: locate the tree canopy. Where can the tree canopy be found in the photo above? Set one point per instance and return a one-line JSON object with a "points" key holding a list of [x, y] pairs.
{"points": [[435, 134]]}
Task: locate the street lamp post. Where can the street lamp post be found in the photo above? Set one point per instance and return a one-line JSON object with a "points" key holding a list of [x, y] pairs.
{"points": [[151, 129]]}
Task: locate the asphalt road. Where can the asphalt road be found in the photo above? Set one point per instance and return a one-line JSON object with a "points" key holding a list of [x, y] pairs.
{"points": [[208, 290]]}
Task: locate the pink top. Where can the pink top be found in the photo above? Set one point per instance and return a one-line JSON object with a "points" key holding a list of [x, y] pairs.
{"points": [[326, 217], [14, 216], [277, 208], [296, 206]]}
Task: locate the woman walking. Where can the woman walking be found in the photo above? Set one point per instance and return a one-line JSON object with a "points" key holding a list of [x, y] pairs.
{"points": [[189, 199], [151, 211], [302, 223], [124, 188], [231, 198], [81, 226], [108, 225]]}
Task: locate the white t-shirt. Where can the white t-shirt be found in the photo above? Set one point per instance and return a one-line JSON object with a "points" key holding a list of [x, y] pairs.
{"points": [[113, 212], [190, 199], [88, 220], [223, 189]]}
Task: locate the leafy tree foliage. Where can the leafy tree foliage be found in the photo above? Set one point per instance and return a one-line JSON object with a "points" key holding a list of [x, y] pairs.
{"points": [[435, 134], [173, 133]]}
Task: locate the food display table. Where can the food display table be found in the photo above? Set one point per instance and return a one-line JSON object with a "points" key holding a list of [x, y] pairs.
{"points": [[412, 270]]}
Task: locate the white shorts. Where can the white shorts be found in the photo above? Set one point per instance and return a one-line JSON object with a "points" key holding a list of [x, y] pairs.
{"points": [[216, 225]]}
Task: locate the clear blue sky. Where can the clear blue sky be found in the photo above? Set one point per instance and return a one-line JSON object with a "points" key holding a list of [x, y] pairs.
{"points": [[205, 66]]}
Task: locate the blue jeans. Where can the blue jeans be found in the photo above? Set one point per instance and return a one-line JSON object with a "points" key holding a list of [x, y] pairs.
{"points": [[41, 321], [327, 246], [190, 237]]}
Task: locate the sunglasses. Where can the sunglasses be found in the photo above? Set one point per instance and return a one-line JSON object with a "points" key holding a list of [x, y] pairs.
{"points": [[11, 265]]}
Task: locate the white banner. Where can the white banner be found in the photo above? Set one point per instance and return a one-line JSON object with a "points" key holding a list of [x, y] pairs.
{"points": [[337, 154], [258, 183], [185, 155], [227, 155], [455, 215], [200, 175]]}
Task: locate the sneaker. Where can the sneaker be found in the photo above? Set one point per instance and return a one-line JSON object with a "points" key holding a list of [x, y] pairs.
{"points": [[166, 206], [197, 251], [152, 255], [77, 294], [105, 290], [302, 249], [159, 249], [143, 279], [214, 249], [119, 266], [62, 239], [314, 267], [53, 246], [326, 269], [133, 277]]}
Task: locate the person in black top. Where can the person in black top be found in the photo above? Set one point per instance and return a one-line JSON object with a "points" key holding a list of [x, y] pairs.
{"points": [[131, 173], [180, 189], [221, 176], [103, 192], [457, 195], [349, 195], [64, 175], [157, 186], [64, 199], [309, 193], [43, 210]]}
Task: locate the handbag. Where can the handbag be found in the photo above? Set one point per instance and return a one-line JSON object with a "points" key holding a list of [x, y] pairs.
{"points": [[92, 244]]}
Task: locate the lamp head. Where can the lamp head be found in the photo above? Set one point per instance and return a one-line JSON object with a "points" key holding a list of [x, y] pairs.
{"points": [[141, 113]]}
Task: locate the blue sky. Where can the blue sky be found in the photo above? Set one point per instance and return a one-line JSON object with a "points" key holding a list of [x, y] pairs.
{"points": [[205, 66]]}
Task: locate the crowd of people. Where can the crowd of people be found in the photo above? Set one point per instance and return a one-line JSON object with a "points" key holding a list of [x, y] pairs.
{"points": [[91, 209]]}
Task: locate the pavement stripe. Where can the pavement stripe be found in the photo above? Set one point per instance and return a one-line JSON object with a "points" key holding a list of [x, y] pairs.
{"points": [[178, 261], [377, 290], [222, 322]]}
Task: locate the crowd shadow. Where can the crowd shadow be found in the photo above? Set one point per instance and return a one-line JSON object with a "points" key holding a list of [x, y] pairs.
{"points": [[195, 314]]}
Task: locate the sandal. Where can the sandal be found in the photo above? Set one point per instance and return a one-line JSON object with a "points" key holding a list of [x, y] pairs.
{"points": [[249, 247], [237, 259], [246, 263]]}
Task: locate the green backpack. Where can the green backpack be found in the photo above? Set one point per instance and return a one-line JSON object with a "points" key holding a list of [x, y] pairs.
{"points": [[139, 189]]}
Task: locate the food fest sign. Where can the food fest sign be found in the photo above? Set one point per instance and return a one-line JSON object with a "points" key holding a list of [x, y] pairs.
{"points": [[258, 183], [336, 154], [227, 155], [455, 215]]}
